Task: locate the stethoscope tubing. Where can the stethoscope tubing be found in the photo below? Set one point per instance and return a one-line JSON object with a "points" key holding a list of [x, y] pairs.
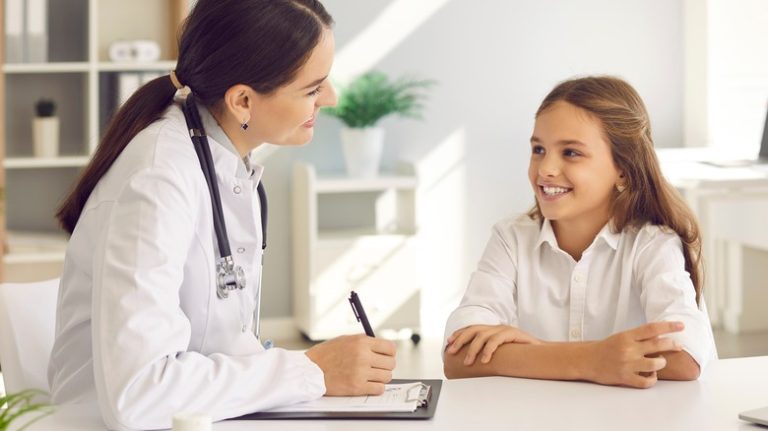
{"points": [[197, 133], [203, 151]]}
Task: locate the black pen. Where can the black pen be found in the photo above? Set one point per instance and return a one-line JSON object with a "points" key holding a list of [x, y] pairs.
{"points": [[357, 308]]}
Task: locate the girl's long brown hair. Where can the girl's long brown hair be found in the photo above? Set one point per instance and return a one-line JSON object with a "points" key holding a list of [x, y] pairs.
{"points": [[648, 197], [260, 43]]}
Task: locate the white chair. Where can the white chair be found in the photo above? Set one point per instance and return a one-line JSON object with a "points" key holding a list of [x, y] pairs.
{"points": [[27, 326]]}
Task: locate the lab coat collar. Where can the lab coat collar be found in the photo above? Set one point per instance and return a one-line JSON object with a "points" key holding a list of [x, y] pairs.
{"points": [[606, 234], [229, 160]]}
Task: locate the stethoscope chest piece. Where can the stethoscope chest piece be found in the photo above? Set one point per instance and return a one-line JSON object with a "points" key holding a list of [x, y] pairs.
{"points": [[228, 277]]}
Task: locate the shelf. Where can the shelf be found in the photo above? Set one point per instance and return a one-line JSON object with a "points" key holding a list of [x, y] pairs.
{"points": [[19, 258], [76, 67], [125, 67], [35, 247], [347, 234], [64, 67], [36, 162], [344, 184]]}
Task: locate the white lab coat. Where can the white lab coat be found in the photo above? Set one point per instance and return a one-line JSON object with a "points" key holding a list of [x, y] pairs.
{"points": [[139, 328]]}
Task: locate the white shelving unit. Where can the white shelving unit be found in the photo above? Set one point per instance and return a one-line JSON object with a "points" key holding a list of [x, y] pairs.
{"points": [[354, 234], [81, 80]]}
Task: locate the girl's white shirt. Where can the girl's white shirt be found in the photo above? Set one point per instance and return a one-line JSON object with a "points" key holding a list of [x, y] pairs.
{"points": [[623, 280], [139, 327]]}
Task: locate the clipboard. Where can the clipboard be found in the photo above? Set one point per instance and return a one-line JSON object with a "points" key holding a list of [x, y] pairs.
{"points": [[421, 413]]}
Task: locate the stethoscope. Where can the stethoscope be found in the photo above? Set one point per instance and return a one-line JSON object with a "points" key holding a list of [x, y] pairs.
{"points": [[229, 276]]}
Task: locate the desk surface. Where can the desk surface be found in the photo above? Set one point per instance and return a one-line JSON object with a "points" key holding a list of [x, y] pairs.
{"points": [[687, 168], [712, 403]]}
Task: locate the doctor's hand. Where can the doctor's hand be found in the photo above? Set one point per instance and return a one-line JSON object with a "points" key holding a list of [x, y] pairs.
{"points": [[355, 364], [631, 358], [483, 340]]}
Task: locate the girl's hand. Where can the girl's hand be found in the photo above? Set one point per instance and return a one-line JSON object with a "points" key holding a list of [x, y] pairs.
{"points": [[631, 358], [487, 339]]}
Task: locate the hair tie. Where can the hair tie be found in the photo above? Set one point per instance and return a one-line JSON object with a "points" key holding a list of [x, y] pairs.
{"points": [[175, 80]]}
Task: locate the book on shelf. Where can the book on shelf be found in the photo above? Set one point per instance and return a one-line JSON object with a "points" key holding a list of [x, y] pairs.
{"points": [[36, 47], [129, 82], [26, 31], [14, 31]]}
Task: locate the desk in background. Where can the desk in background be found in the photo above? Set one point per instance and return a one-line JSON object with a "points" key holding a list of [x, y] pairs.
{"points": [[732, 206], [727, 387]]}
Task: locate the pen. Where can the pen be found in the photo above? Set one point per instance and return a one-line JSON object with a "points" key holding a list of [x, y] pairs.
{"points": [[357, 308]]}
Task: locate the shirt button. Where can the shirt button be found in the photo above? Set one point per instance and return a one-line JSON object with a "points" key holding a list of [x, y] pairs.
{"points": [[578, 277], [237, 190], [241, 250], [575, 333]]}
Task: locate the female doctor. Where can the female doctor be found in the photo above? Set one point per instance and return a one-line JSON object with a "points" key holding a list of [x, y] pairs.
{"points": [[140, 327]]}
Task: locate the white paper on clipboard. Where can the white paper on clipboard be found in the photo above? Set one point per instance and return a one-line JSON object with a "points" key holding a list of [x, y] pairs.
{"points": [[405, 397]]}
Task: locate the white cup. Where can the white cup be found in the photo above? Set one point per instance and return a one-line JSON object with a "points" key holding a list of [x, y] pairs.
{"points": [[191, 422]]}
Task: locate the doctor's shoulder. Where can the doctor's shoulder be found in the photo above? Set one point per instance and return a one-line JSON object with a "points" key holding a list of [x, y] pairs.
{"points": [[163, 148], [165, 145]]}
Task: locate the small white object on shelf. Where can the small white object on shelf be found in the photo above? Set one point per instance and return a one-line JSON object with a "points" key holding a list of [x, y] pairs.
{"points": [[45, 135], [138, 51]]}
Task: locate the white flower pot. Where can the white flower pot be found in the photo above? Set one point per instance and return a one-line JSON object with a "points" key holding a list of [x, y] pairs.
{"points": [[45, 136], [362, 150]]}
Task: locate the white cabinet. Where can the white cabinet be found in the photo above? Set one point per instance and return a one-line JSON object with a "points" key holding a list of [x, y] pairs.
{"points": [[81, 80], [354, 234]]}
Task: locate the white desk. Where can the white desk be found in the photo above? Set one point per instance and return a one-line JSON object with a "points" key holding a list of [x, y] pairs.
{"points": [[732, 207], [728, 387]]}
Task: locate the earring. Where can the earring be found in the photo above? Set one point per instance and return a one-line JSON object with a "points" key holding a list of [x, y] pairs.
{"points": [[620, 188], [244, 126]]}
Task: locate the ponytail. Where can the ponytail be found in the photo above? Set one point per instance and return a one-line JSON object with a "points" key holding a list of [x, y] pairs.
{"points": [[259, 43], [142, 109]]}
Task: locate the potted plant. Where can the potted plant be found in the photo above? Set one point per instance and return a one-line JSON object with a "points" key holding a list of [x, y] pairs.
{"points": [[15, 406], [366, 100]]}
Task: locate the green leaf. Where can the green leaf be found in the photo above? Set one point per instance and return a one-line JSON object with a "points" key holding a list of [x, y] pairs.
{"points": [[372, 96], [21, 404]]}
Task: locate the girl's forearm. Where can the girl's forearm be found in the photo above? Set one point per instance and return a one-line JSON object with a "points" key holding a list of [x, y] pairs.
{"points": [[680, 366], [554, 361]]}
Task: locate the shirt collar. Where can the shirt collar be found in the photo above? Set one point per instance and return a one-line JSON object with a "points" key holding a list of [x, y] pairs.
{"points": [[546, 234], [606, 234], [609, 236]]}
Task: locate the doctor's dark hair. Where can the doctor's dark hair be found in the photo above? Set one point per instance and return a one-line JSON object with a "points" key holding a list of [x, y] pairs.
{"points": [[260, 43], [648, 197]]}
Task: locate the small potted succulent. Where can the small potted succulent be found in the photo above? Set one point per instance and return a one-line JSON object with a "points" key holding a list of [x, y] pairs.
{"points": [[20, 407], [366, 100]]}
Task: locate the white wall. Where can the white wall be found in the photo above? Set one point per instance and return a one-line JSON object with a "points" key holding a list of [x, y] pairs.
{"points": [[737, 60], [494, 60]]}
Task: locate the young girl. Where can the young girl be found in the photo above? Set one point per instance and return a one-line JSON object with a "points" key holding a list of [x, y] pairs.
{"points": [[602, 280]]}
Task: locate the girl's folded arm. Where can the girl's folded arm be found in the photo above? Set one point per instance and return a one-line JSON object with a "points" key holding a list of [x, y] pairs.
{"points": [[555, 361], [680, 366]]}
